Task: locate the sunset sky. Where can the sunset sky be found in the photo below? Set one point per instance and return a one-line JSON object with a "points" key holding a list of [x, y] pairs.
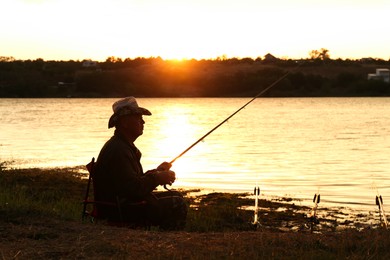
{"points": [[176, 29]]}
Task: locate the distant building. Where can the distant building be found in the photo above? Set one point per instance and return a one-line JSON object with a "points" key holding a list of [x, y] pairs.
{"points": [[381, 74], [270, 57], [367, 60], [89, 63]]}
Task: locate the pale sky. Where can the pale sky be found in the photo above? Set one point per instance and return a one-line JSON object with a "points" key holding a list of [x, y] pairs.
{"points": [[97, 29]]}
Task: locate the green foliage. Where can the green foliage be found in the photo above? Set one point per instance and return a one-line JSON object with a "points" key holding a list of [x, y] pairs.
{"points": [[219, 212], [33, 193]]}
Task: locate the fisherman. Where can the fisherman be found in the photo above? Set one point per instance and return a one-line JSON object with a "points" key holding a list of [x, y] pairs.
{"points": [[119, 177]]}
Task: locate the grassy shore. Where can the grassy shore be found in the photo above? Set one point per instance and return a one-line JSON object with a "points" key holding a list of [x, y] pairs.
{"points": [[40, 217]]}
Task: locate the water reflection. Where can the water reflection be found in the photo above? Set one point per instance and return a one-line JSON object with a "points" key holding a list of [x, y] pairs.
{"points": [[290, 147]]}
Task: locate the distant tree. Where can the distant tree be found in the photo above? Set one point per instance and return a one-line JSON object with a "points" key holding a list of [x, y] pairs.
{"points": [[247, 60], [113, 59], [223, 57], [6, 59], [322, 54]]}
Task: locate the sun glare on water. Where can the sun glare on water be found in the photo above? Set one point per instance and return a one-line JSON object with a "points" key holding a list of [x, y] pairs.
{"points": [[176, 134]]}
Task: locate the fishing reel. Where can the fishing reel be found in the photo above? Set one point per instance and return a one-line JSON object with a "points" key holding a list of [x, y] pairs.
{"points": [[165, 166]]}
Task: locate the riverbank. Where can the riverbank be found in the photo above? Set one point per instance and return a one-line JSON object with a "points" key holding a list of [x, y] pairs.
{"points": [[40, 217]]}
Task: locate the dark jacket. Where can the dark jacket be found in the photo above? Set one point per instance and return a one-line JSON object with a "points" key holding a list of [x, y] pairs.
{"points": [[118, 173]]}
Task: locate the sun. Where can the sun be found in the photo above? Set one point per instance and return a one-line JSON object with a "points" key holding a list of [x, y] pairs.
{"points": [[176, 56]]}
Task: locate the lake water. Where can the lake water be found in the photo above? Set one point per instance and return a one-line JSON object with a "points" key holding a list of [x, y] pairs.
{"points": [[292, 147]]}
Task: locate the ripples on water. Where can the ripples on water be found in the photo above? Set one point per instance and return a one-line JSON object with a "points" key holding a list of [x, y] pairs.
{"points": [[289, 147]]}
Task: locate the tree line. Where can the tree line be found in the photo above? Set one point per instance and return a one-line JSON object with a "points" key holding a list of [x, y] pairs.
{"points": [[318, 76]]}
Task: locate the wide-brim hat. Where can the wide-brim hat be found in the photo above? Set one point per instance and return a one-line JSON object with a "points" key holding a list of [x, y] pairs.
{"points": [[126, 106]]}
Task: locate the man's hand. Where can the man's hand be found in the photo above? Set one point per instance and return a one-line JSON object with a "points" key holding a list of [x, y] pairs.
{"points": [[165, 177], [165, 166]]}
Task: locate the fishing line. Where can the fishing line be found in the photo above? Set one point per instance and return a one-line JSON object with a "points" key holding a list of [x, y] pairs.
{"points": [[241, 108]]}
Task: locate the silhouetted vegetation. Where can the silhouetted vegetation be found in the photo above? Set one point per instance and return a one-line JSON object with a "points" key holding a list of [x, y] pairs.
{"points": [[222, 77]]}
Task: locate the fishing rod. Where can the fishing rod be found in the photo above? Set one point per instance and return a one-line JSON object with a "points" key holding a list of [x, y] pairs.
{"points": [[233, 114], [167, 166]]}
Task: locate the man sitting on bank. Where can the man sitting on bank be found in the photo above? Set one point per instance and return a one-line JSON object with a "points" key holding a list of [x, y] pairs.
{"points": [[119, 177]]}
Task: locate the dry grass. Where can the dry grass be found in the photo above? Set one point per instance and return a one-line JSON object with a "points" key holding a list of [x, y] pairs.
{"points": [[54, 239]]}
